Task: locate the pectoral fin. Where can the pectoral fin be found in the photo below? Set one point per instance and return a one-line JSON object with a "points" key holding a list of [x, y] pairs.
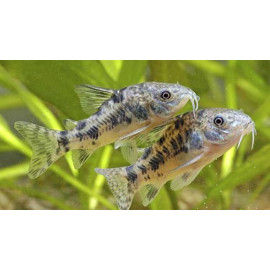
{"points": [[146, 140], [129, 151], [128, 137], [188, 163], [92, 97], [184, 179]]}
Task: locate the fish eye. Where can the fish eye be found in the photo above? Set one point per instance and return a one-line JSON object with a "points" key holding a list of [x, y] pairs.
{"points": [[165, 95], [219, 121]]}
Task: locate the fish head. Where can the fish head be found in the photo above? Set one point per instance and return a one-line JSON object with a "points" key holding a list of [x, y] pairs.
{"points": [[169, 98], [225, 127]]}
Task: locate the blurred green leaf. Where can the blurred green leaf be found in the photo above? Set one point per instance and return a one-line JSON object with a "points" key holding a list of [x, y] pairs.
{"points": [[54, 81], [10, 102], [255, 165]]}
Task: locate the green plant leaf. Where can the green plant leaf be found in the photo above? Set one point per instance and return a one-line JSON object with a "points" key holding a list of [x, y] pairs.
{"points": [[54, 81]]}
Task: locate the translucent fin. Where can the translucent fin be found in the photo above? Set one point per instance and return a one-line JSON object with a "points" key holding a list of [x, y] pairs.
{"points": [[184, 179], [70, 124], [128, 137], [80, 156], [92, 97], [122, 189], [44, 145], [146, 140], [133, 134], [148, 193], [188, 163], [129, 151]]}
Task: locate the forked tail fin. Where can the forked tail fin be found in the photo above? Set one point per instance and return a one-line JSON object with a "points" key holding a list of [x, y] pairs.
{"points": [[122, 189], [44, 144]]}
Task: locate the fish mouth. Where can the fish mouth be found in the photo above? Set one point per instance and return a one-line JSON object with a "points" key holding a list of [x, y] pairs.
{"points": [[250, 128]]}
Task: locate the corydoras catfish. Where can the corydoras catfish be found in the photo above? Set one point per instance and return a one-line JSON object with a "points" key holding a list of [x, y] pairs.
{"points": [[184, 147], [120, 115]]}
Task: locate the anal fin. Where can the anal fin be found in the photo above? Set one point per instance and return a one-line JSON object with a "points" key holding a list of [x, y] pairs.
{"points": [[148, 193], [80, 156]]}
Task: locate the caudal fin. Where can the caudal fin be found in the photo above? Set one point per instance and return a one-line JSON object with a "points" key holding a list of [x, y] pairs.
{"points": [[122, 189], [44, 145]]}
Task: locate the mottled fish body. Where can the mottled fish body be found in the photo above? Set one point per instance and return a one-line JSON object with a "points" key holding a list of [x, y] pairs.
{"points": [[183, 148], [117, 116]]}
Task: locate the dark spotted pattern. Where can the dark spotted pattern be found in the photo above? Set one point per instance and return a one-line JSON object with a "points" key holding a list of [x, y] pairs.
{"points": [[131, 174], [161, 140], [79, 135], [142, 169], [116, 98], [92, 133], [81, 125], [63, 142], [212, 136], [195, 141], [147, 152], [63, 133], [156, 161]]}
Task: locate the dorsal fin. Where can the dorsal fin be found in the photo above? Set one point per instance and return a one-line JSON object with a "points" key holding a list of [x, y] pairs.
{"points": [[92, 97]]}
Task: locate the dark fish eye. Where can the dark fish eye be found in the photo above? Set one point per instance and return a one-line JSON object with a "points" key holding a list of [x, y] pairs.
{"points": [[219, 121], [165, 95]]}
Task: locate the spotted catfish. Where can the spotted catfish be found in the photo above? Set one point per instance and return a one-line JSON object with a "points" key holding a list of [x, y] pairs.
{"points": [[117, 116], [184, 147]]}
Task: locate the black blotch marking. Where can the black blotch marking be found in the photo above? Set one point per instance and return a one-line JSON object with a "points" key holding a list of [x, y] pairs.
{"points": [[140, 113], [142, 169], [93, 143], [81, 125], [63, 133], [188, 132], [212, 136], [115, 98], [113, 120], [179, 139], [166, 150], [174, 144], [186, 176], [128, 120], [62, 141], [79, 135], [121, 95], [156, 161], [195, 141], [131, 174], [93, 133], [177, 123], [160, 157], [147, 152], [184, 149], [182, 122], [161, 140]]}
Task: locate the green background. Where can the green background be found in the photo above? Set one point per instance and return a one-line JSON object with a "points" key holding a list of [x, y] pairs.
{"points": [[43, 92]]}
